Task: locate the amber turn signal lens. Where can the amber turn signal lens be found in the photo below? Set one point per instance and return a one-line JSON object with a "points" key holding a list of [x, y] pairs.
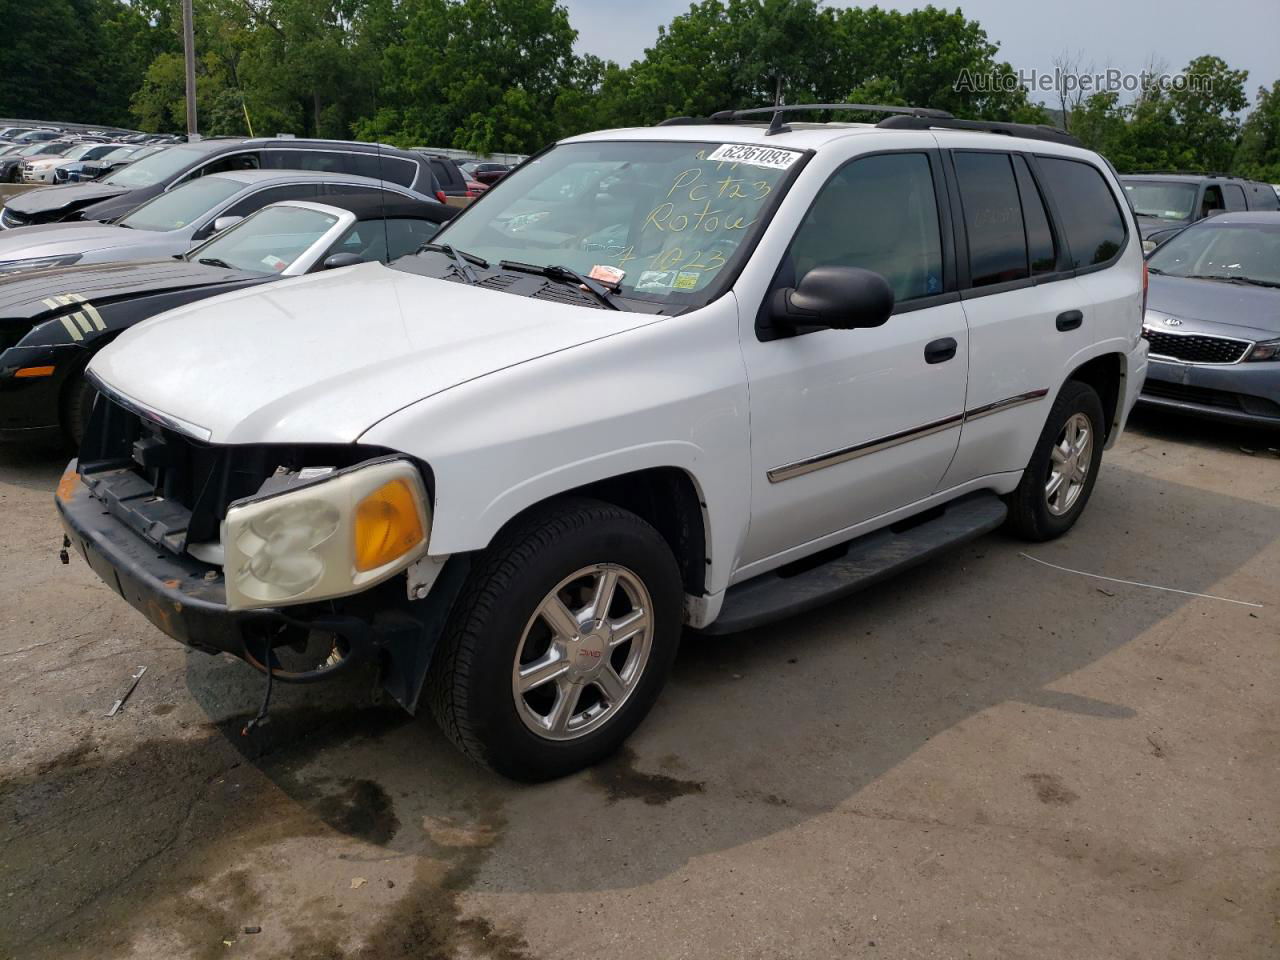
{"points": [[388, 525], [34, 372]]}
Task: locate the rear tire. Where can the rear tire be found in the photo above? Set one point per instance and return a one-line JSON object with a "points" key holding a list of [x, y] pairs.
{"points": [[560, 642], [1064, 467]]}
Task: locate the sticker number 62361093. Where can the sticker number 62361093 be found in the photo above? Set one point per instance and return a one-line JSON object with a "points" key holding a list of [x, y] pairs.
{"points": [[756, 156]]}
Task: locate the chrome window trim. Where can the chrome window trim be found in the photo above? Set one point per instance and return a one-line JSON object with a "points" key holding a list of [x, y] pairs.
{"points": [[799, 468], [177, 424]]}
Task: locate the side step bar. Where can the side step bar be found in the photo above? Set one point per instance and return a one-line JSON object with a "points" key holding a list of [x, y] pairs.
{"points": [[867, 560]]}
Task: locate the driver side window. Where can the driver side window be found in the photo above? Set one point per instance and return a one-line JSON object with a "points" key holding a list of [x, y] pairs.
{"points": [[879, 213]]}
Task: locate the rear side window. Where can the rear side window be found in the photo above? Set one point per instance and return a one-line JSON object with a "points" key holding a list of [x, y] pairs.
{"points": [[260, 198], [234, 161], [1091, 219], [993, 218], [1234, 196], [326, 161], [1262, 196], [881, 214], [381, 167], [1041, 249]]}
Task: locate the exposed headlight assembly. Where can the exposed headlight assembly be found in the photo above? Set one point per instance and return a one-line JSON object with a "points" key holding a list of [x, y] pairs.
{"points": [[37, 262], [326, 538], [1265, 350]]}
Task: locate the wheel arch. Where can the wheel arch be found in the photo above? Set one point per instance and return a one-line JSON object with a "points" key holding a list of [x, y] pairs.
{"points": [[1105, 373], [667, 497]]}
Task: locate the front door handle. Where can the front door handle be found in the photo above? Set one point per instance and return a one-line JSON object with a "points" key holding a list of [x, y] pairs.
{"points": [[936, 351], [1069, 320]]}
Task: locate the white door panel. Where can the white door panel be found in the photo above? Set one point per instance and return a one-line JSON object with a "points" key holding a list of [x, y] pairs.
{"points": [[1015, 366], [829, 412]]}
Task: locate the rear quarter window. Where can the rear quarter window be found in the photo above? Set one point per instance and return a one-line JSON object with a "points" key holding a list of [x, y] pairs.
{"points": [[1263, 197], [1091, 218], [397, 170]]}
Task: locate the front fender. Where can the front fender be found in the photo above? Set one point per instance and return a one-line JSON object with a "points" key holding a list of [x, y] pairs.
{"points": [[671, 394]]}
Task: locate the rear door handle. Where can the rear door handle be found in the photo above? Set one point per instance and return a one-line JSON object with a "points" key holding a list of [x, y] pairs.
{"points": [[936, 351], [1069, 320]]}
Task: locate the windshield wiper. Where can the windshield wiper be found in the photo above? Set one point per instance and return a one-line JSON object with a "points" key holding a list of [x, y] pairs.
{"points": [[461, 260], [1229, 279], [562, 274], [1255, 282], [215, 262]]}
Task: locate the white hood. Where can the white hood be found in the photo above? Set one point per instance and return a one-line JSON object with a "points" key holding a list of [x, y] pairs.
{"points": [[322, 358]]}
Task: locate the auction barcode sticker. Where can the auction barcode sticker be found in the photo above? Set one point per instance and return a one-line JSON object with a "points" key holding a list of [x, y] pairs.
{"points": [[756, 156]]}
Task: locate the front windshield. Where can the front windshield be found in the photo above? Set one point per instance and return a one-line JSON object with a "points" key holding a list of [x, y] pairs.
{"points": [[75, 153], [1156, 198], [148, 171], [181, 205], [35, 149], [267, 242], [1222, 251], [674, 217]]}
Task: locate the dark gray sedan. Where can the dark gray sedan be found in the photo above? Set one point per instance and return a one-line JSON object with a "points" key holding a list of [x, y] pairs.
{"points": [[1213, 320]]}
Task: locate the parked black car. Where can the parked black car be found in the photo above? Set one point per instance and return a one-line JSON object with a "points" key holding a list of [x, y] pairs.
{"points": [[452, 180], [53, 321], [1166, 202], [116, 194]]}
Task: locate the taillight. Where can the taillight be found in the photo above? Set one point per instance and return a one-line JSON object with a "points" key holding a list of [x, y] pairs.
{"points": [[441, 197], [1146, 279]]}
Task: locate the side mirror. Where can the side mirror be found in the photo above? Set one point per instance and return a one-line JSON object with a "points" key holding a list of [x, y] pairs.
{"points": [[335, 260], [833, 297], [225, 223]]}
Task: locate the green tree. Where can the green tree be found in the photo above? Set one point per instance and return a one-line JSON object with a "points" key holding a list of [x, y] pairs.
{"points": [[1259, 153], [1206, 111]]}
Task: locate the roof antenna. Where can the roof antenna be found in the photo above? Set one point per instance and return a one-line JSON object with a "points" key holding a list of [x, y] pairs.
{"points": [[776, 125]]}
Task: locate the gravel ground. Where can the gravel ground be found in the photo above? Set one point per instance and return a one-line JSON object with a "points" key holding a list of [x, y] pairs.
{"points": [[985, 758]]}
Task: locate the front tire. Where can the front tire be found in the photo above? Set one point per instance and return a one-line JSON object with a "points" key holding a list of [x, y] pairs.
{"points": [[560, 642], [77, 405], [1064, 467]]}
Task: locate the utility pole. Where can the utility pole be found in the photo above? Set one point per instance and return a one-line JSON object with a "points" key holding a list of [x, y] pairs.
{"points": [[189, 50]]}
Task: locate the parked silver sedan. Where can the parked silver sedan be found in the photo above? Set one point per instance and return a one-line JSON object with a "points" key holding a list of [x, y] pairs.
{"points": [[1213, 320], [178, 219]]}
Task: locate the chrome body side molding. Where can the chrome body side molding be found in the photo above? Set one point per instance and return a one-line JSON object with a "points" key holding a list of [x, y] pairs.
{"points": [[799, 468]]}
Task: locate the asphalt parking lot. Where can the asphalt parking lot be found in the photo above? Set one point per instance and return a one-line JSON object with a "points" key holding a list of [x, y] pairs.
{"points": [[985, 758]]}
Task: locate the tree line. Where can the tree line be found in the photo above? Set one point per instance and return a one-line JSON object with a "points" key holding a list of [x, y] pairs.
{"points": [[502, 75]]}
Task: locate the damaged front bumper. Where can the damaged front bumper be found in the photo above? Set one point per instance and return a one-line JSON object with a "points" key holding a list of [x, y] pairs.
{"points": [[186, 599]]}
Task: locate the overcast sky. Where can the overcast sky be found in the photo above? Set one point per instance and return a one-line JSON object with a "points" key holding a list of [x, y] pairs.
{"points": [[1119, 33]]}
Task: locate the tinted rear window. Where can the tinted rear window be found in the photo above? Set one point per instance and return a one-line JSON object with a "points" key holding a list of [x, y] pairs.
{"points": [[1041, 249], [1090, 217], [993, 218]]}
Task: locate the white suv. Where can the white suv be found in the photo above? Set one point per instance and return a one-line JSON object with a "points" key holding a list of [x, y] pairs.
{"points": [[705, 374]]}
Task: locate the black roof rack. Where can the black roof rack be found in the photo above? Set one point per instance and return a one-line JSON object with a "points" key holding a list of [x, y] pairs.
{"points": [[1030, 131], [775, 114]]}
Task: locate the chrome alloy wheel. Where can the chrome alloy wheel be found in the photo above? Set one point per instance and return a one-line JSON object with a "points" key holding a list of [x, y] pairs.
{"points": [[582, 652], [1069, 462]]}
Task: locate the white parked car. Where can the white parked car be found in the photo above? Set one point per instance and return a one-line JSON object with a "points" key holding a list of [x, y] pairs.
{"points": [[41, 169], [703, 375]]}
